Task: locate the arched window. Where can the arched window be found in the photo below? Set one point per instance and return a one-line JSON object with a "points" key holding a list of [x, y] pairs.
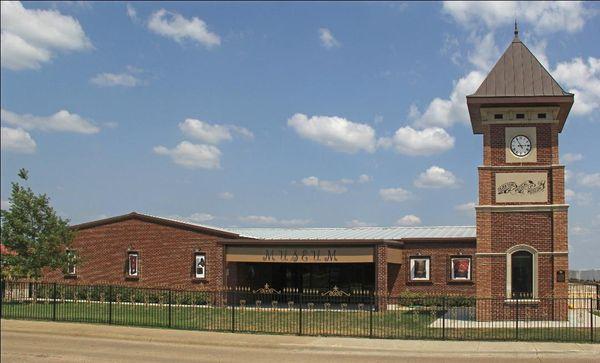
{"points": [[521, 273]]}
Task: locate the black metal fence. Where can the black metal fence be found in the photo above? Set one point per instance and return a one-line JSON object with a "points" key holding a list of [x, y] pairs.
{"points": [[334, 312]]}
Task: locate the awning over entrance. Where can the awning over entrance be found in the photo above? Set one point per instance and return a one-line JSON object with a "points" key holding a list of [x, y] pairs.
{"points": [[300, 254]]}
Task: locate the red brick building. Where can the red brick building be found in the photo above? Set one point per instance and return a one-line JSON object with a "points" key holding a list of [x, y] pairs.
{"points": [[517, 250]]}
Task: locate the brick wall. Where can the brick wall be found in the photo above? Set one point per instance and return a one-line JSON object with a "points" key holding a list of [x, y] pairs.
{"points": [[497, 231], [166, 256], [546, 153], [440, 282]]}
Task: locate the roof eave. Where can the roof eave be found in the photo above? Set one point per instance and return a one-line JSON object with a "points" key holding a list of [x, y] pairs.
{"points": [[153, 219], [474, 104], [399, 242]]}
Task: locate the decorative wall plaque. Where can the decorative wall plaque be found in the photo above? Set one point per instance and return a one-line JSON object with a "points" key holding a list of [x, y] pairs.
{"points": [[521, 187]]}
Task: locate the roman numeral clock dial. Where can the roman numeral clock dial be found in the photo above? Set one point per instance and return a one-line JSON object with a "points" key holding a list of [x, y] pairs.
{"points": [[520, 145]]}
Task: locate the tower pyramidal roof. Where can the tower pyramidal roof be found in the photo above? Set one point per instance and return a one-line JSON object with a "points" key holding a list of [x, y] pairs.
{"points": [[519, 73], [518, 79]]}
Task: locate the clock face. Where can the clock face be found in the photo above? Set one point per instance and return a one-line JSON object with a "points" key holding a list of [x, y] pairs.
{"points": [[520, 145]]}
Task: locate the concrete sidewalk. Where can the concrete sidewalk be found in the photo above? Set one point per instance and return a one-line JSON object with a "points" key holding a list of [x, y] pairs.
{"points": [[28, 341]]}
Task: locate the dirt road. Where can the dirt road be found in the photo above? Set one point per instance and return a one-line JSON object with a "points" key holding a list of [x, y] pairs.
{"points": [[28, 341]]}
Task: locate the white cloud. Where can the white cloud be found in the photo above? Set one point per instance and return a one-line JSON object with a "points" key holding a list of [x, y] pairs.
{"points": [[115, 79], [451, 48], [327, 39], [579, 230], [329, 186], [571, 157], [568, 175], [195, 217], [395, 194], [538, 48], [583, 79], [364, 178], [589, 180], [174, 26], [212, 134], [226, 195], [577, 197], [358, 223], [30, 37], [436, 177], [446, 112], [409, 220], [62, 121], [17, 54], [17, 140], [272, 221], [544, 16], [468, 207], [335, 132], [4, 204], [192, 156], [334, 186], [131, 12], [485, 52], [408, 141]]}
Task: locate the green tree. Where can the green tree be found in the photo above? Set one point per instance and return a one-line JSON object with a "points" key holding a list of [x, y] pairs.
{"points": [[34, 236]]}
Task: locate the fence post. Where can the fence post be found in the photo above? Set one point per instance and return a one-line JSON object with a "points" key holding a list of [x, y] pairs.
{"points": [[444, 318], [232, 312], [170, 305], [597, 296], [517, 321], [110, 299], [371, 316], [54, 301], [2, 288], [591, 319], [300, 315]]}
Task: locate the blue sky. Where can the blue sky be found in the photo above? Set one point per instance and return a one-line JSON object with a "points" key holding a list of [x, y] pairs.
{"points": [[280, 114]]}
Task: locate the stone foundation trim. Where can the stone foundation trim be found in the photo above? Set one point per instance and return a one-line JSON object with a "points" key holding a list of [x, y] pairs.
{"points": [[522, 208]]}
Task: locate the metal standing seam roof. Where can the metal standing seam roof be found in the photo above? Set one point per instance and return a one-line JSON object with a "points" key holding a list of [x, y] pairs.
{"points": [[350, 233], [357, 233], [340, 233], [518, 73]]}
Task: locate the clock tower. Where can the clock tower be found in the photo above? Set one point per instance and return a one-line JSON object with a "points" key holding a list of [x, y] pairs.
{"points": [[522, 243]]}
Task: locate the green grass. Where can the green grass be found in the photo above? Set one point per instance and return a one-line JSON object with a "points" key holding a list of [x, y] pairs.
{"points": [[390, 324]]}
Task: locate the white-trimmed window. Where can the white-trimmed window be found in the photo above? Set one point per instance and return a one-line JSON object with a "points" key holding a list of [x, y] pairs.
{"points": [[460, 268], [71, 266], [420, 268], [133, 264], [522, 272], [199, 265]]}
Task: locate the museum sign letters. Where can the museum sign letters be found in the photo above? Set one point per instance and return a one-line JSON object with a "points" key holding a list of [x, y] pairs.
{"points": [[299, 254]]}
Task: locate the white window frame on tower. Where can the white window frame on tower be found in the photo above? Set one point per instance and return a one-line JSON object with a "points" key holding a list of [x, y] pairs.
{"points": [[534, 261]]}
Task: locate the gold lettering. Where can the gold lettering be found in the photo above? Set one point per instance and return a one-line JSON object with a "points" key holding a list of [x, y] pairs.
{"points": [[331, 255], [304, 256], [268, 255]]}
